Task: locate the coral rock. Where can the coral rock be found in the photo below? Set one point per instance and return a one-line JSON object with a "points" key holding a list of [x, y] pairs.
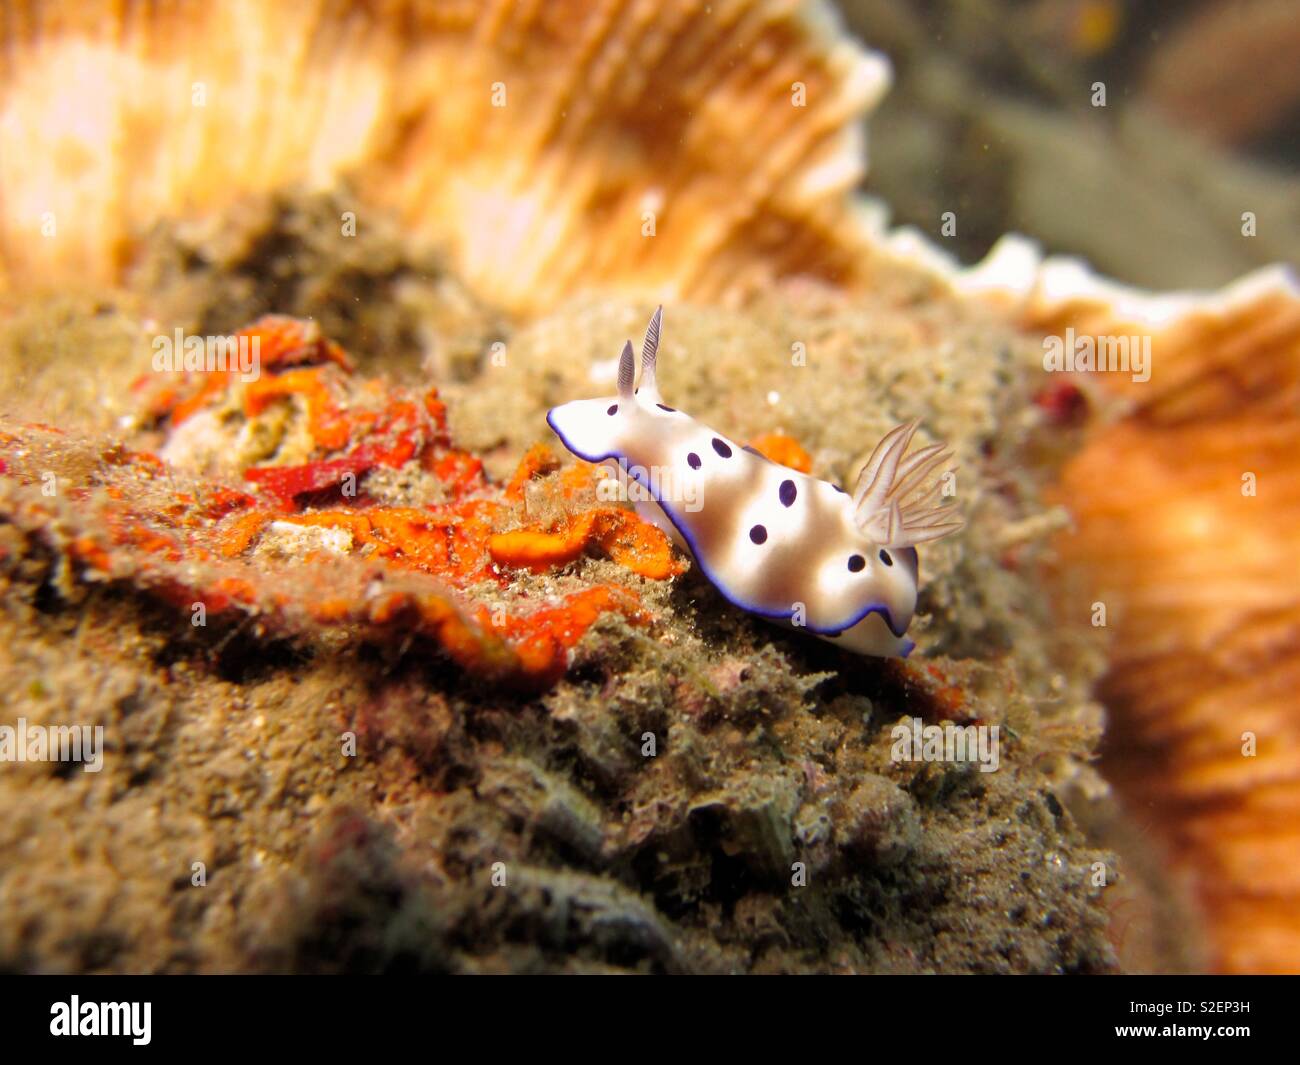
{"points": [[1185, 514], [683, 147]]}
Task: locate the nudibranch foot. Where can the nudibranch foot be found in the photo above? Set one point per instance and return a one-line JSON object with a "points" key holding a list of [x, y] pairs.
{"points": [[776, 542], [870, 636]]}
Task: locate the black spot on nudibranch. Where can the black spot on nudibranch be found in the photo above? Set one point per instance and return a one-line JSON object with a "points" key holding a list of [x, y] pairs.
{"points": [[788, 493], [670, 410], [612, 410], [840, 489], [758, 534], [884, 557], [693, 461], [720, 446], [856, 563]]}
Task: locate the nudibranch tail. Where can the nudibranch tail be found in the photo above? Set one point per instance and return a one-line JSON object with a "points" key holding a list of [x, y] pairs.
{"points": [[891, 505]]}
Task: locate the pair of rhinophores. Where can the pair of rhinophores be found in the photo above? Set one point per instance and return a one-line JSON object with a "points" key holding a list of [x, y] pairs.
{"points": [[778, 543]]}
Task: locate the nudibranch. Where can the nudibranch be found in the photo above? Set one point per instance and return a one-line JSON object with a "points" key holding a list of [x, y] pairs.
{"points": [[775, 542]]}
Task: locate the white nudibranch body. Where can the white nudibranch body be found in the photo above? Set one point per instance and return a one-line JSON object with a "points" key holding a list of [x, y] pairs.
{"points": [[775, 542]]}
